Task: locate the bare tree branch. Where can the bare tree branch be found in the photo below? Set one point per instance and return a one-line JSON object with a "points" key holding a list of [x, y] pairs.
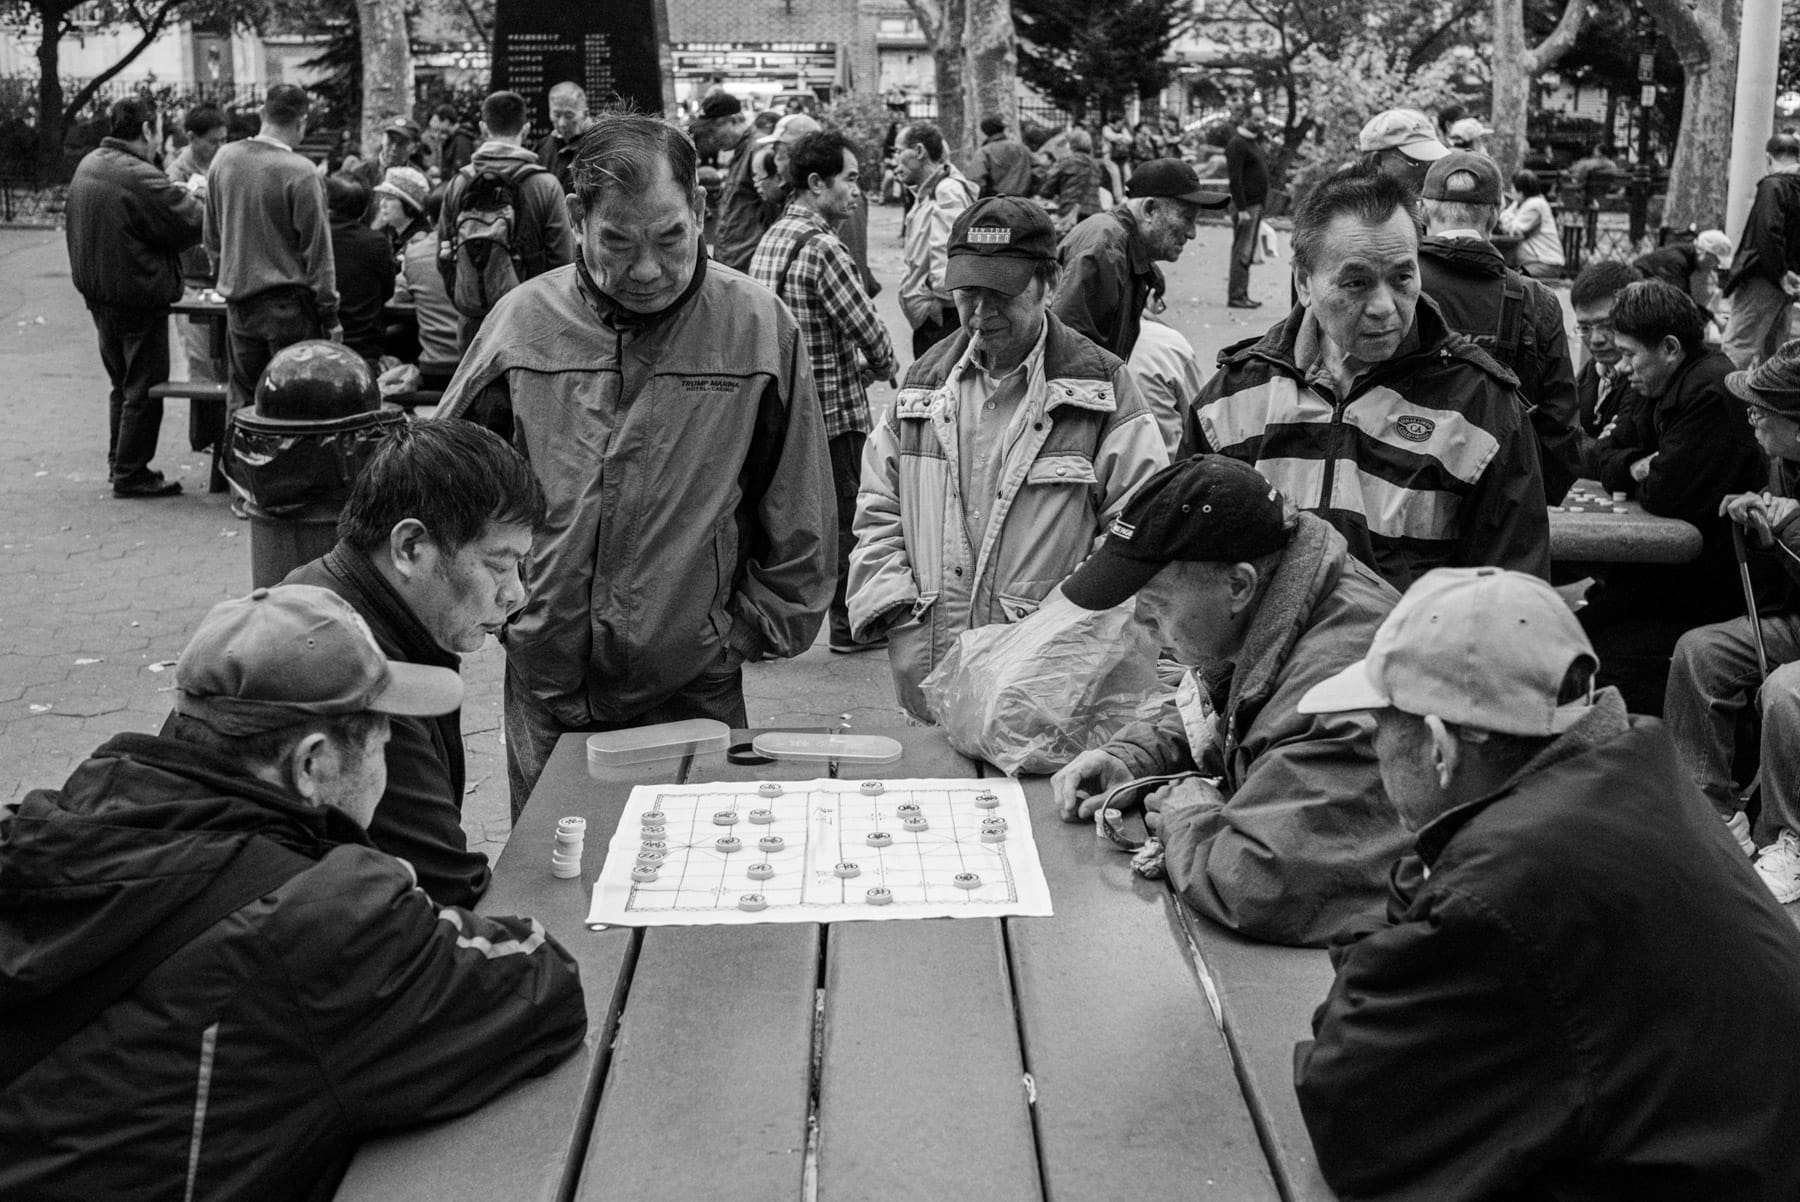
{"points": [[1559, 41], [150, 27]]}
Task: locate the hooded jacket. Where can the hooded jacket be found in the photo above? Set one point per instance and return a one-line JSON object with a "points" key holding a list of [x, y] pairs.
{"points": [[1079, 442], [683, 455], [1475, 290], [420, 815], [1301, 849], [127, 226], [542, 238], [1426, 462], [250, 1062], [1589, 995], [1770, 245], [937, 202]]}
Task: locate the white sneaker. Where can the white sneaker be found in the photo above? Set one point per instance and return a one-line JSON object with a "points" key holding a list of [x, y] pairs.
{"points": [[1739, 826], [1779, 867]]}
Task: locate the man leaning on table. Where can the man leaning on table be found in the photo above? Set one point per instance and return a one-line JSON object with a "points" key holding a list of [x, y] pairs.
{"points": [[429, 549], [211, 984], [1582, 990], [1294, 842]]}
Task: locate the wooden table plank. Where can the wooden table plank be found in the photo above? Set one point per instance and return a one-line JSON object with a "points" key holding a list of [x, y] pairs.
{"points": [[710, 1086], [922, 1081], [1266, 997], [1136, 1097], [525, 1144]]}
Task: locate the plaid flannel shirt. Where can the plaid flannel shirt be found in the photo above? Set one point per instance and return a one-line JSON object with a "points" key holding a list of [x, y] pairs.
{"points": [[836, 316]]}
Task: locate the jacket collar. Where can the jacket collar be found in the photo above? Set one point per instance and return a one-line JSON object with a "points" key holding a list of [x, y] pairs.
{"points": [[391, 610], [122, 146], [1605, 721], [1309, 569], [807, 214]]}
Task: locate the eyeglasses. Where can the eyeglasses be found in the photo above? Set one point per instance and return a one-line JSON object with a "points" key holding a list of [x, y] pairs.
{"points": [[1591, 327]]}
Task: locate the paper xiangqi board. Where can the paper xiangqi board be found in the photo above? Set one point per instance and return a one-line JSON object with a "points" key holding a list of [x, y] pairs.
{"points": [[952, 866]]}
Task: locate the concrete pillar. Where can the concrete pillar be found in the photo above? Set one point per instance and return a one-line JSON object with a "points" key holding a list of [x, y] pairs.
{"points": [[1759, 56]]}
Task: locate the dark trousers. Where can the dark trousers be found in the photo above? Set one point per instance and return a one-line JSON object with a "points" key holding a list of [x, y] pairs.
{"points": [[935, 331], [846, 477], [1243, 251], [134, 348], [532, 730], [259, 326]]}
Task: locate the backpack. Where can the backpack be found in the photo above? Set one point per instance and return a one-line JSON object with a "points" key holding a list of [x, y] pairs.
{"points": [[483, 248], [1512, 332]]}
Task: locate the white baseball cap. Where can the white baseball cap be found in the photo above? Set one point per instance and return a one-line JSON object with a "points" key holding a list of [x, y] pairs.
{"points": [[1478, 647]]}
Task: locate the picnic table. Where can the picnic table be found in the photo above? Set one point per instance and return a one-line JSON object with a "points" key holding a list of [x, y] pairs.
{"points": [[1592, 527], [1068, 1057]]}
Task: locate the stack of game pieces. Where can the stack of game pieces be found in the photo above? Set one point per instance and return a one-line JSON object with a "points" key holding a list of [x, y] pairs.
{"points": [[565, 860]]}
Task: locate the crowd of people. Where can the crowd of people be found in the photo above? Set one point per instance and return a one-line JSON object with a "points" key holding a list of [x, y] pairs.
{"points": [[1561, 963]]}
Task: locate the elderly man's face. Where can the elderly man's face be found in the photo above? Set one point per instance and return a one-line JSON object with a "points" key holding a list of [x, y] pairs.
{"points": [[1403, 749], [464, 597], [641, 247], [567, 116], [912, 162], [1006, 325], [1187, 608], [1365, 287], [1170, 228], [352, 778]]}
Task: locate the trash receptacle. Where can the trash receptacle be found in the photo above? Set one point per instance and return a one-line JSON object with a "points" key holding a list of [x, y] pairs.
{"points": [[317, 419]]}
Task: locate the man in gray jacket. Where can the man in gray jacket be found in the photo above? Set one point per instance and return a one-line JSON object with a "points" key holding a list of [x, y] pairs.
{"points": [[674, 425], [127, 226], [1279, 828]]}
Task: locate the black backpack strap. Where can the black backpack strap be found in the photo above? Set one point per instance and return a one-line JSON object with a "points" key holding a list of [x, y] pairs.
{"points": [[1508, 335], [33, 1032], [806, 235]]}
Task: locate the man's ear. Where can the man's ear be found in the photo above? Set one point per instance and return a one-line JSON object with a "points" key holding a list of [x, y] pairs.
{"points": [[1242, 579], [577, 214], [410, 549], [309, 763], [1302, 285], [1446, 750], [1671, 346]]}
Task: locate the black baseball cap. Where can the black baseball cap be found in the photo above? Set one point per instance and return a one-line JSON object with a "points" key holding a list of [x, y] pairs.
{"points": [[997, 243], [1208, 509], [1173, 178]]}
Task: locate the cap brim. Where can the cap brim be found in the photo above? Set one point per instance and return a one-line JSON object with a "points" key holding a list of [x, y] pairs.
{"points": [[1207, 200], [418, 691], [1348, 691], [1108, 578], [397, 194], [1005, 274], [1425, 152]]}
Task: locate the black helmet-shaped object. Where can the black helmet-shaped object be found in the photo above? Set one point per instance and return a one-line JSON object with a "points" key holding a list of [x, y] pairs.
{"points": [[316, 381]]}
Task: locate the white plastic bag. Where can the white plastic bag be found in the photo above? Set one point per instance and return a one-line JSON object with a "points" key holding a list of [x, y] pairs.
{"points": [[1031, 696]]}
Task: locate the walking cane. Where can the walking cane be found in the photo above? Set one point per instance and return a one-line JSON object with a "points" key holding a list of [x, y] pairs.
{"points": [[1737, 547]]}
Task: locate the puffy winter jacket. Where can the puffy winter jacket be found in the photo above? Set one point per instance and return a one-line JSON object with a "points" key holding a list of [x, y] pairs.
{"points": [[1300, 851], [1080, 441], [1590, 995], [1426, 463], [127, 227], [683, 455], [937, 203], [250, 1062]]}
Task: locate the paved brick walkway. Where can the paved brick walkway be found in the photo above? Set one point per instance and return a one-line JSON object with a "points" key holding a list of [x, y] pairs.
{"points": [[97, 595]]}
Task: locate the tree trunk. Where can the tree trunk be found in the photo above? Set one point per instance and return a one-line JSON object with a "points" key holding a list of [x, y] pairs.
{"points": [[950, 71], [387, 67], [1512, 86], [993, 58], [1705, 37], [51, 124], [1514, 69]]}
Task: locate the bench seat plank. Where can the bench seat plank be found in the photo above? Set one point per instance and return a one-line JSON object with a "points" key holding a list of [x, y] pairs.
{"points": [[1119, 1039]]}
